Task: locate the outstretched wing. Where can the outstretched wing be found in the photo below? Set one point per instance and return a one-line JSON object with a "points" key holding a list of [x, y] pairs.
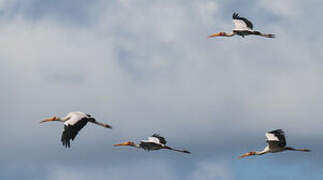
{"points": [[241, 23], [161, 139], [276, 138], [70, 131], [154, 142]]}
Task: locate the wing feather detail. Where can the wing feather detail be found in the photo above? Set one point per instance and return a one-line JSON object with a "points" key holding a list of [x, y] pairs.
{"points": [[71, 131], [241, 23], [276, 137]]}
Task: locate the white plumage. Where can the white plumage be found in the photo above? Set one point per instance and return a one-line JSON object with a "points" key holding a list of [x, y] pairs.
{"points": [[151, 140], [240, 25], [74, 117], [271, 137]]}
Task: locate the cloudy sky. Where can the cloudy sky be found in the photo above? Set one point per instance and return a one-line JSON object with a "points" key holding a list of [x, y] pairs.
{"points": [[147, 67]]}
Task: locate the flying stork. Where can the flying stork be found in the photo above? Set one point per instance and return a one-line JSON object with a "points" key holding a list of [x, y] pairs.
{"points": [[73, 123], [276, 143], [243, 27], [155, 142]]}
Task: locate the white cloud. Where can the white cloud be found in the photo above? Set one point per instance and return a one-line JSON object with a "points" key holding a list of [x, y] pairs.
{"points": [[282, 8], [4, 4], [211, 171], [142, 169], [147, 169]]}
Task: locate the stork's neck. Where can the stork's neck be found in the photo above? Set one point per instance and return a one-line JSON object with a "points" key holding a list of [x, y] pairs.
{"points": [[226, 34], [266, 150], [222, 34], [260, 152], [63, 119], [229, 34], [135, 145]]}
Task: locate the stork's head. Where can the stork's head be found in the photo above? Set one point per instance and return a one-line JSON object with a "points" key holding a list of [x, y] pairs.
{"points": [[129, 143], [50, 119], [217, 34], [247, 154]]}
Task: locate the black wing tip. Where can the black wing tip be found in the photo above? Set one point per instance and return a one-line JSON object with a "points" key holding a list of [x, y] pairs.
{"points": [[157, 136], [187, 152], [277, 131], [66, 144], [66, 139], [161, 138], [235, 15]]}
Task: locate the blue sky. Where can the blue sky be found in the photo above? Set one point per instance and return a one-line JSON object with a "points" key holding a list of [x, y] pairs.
{"points": [[147, 67]]}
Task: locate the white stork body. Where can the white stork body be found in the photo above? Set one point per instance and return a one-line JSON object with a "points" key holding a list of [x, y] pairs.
{"points": [[276, 143], [155, 142], [73, 123], [243, 27]]}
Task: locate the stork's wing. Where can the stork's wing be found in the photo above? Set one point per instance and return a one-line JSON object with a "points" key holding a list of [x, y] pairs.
{"points": [[276, 137], [151, 140], [153, 143], [70, 131], [146, 145], [274, 144], [160, 138], [241, 23], [75, 117]]}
